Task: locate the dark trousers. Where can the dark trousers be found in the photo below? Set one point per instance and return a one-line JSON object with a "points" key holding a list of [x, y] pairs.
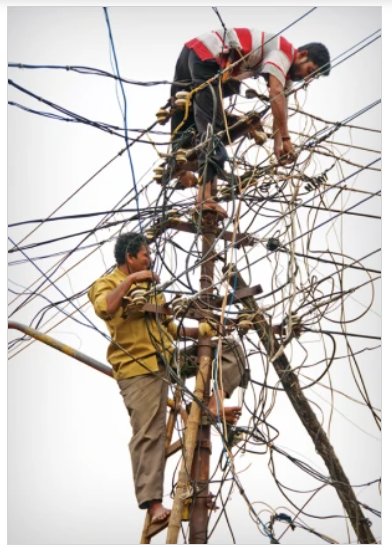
{"points": [[206, 109], [231, 363]]}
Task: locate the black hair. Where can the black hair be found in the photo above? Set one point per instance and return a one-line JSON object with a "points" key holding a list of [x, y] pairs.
{"points": [[130, 243], [318, 53]]}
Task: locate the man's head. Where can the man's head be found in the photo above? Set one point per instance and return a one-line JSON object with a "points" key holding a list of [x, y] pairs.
{"points": [[131, 249], [311, 60]]}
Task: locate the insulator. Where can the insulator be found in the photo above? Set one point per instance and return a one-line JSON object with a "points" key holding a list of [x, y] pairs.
{"points": [[206, 329], [180, 155], [182, 99], [244, 325], [149, 234], [259, 137], [180, 103], [245, 322], [137, 299], [182, 94], [158, 173], [162, 115]]}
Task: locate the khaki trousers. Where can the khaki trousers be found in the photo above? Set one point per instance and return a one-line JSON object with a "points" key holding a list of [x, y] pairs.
{"points": [[145, 398]]}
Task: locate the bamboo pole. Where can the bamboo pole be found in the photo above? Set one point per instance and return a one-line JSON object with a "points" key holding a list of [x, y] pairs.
{"points": [[183, 490]]}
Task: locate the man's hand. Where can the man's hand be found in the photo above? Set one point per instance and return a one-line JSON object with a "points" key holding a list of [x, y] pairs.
{"points": [[115, 296], [284, 150], [142, 276]]}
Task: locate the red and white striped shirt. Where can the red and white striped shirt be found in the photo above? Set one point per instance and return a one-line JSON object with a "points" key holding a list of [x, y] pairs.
{"points": [[265, 53]]}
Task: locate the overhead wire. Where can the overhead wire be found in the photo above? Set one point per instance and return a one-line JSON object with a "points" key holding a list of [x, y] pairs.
{"points": [[262, 402]]}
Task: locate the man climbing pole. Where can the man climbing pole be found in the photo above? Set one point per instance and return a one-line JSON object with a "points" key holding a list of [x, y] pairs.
{"points": [[237, 54], [140, 353]]}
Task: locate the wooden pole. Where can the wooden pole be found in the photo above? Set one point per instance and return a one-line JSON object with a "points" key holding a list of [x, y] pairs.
{"points": [[201, 460], [194, 473]]}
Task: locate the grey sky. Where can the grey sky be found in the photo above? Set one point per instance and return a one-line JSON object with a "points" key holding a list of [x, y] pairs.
{"points": [[69, 473]]}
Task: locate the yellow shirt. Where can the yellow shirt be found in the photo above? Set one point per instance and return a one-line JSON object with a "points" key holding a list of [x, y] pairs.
{"points": [[136, 338]]}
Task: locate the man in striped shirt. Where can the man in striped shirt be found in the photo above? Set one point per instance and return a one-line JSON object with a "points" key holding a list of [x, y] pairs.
{"points": [[245, 53]]}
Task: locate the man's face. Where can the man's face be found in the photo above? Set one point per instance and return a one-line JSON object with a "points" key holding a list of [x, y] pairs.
{"points": [[303, 68], [142, 260]]}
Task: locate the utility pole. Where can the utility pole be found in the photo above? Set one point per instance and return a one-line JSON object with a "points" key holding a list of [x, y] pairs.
{"points": [[196, 461], [201, 460]]}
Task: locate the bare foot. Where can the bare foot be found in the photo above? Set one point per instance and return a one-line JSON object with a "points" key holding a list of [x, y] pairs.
{"points": [[212, 206], [158, 512], [232, 414], [186, 179]]}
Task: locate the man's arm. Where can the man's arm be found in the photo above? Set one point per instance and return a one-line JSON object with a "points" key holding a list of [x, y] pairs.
{"points": [[114, 297], [282, 142]]}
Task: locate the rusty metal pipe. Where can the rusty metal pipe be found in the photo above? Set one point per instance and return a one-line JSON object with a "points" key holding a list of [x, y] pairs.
{"points": [[68, 350]]}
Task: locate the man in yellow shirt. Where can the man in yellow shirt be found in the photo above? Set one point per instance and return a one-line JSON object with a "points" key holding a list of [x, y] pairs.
{"points": [[141, 346]]}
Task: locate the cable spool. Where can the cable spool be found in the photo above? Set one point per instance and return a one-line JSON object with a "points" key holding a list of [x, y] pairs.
{"points": [[163, 116], [182, 99]]}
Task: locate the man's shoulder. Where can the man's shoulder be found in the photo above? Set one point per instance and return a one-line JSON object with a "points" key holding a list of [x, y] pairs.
{"points": [[110, 278]]}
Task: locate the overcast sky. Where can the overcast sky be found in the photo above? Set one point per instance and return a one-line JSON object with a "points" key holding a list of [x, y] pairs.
{"points": [[69, 473]]}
